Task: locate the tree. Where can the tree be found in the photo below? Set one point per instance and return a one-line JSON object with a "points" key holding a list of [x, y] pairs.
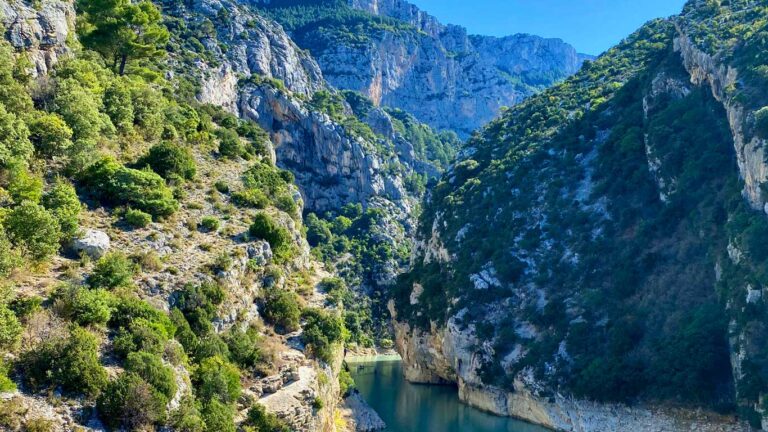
{"points": [[171, 160], [63, 202], [118, 104], [50, 135], [121, 31], [14, 138], [217, 379]]}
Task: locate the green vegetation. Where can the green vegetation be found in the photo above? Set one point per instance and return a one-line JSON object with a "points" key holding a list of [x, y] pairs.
{"points": [[278, 237], [71, 362], [282, 309], [137, 218], [113, 270], [121, 31], [317, 24], [170, 161], [116, 184], [322, 332]]}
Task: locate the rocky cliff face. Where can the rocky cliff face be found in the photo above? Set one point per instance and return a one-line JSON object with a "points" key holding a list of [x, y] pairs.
{"points": [[41, 32], [430, 69], [554, 233]]}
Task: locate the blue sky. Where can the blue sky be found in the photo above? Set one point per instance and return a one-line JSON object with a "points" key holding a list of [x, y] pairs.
{"points": [[592, 26]]}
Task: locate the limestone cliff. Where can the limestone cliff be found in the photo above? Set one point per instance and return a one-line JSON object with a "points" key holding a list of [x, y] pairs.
{"points": [[40, 32], [429, 69], [567, 267]]}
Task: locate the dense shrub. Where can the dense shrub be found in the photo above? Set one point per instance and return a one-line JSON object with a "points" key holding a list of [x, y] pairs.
{"points": [[71, 362], [118, 104], [322, 330], [113, 270], [50, 135], [33, 230], [140, 335], [199, 303], [255, 198], [84, 306], [230, 144], [151, 368], [144, 190], [10, 258], [171, 160], [6, 384], [244, 346], [187, 417], [80, 110], [219, 416], [278, 237], [282, 309], [210, 224], [132, 403], [137, 218], [14, 138], [63, 202], [10, 328], [260, 420], [24, 185], [217, 380]]}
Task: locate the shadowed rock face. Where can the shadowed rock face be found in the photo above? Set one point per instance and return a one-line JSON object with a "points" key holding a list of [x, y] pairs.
{"points": [[445, 77]]}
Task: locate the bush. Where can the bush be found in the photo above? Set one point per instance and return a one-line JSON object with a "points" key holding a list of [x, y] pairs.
{"points": [[137, 218], [140, 335], [171, 160], [336, 290], [33, 230], [84, 306], [210, 224], [113, 270], [260, 420], [144, 190], [217, 380], [187, 417], [24, 185], [199, 303], [219, 417], [281, 308], [6, 384], [63, 202], [71, 362], [346, 383], [14, 138], [279, 238], [50, 135], [244, 346], [151, 368], [317, 230], [118, 105], [10, 258], [251, 198], [321, 331], [230, 145], [80, 110], [132, 403], [10, 328]]}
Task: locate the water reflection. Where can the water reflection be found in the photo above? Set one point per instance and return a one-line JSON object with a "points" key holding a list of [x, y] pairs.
{"points": [[407, 407]]}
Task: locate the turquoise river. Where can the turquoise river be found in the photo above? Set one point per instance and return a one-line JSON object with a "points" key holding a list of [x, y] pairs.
{"points": [[407, 407]]}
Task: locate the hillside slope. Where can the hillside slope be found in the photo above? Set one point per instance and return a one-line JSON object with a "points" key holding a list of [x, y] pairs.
{"points": [[603, 242]]}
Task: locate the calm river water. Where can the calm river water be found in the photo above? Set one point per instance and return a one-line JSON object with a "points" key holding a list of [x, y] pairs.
{"points": [[407, 407]]}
